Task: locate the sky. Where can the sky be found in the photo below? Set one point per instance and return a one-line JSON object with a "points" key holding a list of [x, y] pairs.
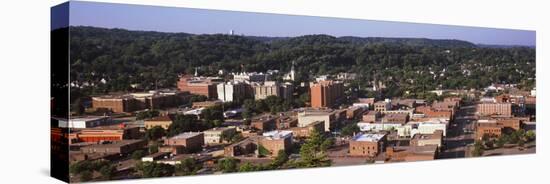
{"points": [[200, 21]]}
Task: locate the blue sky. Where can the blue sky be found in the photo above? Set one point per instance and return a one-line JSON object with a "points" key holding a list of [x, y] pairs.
{"points": [[199, 21]]}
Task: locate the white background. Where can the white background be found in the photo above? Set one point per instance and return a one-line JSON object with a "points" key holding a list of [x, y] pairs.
{"points": [[24, 99]]}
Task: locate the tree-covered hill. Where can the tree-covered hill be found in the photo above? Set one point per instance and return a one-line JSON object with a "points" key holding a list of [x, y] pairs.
{"points": [[122, 60]]}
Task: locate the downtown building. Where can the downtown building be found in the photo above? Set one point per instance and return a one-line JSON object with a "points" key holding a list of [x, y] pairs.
{"points": [[325, 93], [154, 99], [232, 91], [498, 109], [272, 88], [366, 144], [206, 86]]}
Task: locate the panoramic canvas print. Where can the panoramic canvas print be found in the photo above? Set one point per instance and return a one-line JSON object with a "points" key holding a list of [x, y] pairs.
{"points": [[147, 91]]}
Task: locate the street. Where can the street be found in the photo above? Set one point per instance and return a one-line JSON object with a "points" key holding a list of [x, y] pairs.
{"points": [[457, 138]]}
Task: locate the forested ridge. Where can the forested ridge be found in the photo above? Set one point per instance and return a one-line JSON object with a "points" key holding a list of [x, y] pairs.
{"points": [[121, 60]]}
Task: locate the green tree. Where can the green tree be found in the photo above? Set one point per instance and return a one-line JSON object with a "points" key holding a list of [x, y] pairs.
{"points": [[530, 135], [79, 167], [500, 142], [86, 176], [138, 154], [78, 107], [108, 171], [188, 166], [281, 159], [521, 142], [147, 114], [182, 123], [313, 151], [247, 167], [478, 149], [155, 133], [227, 165], [153, 169], [350, 130], [262, 151], [153, 148], [304, 98]]}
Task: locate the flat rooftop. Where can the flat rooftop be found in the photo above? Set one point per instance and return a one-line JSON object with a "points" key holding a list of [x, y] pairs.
{"points": [[88, 118], [427, 149], [438, 134], [116, 144], [277, 134], [186, 135], [218, 129], [369, 137]]}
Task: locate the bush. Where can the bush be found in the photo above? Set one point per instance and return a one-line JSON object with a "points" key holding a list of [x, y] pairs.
{"points": [[86, 176], [138, 154]]}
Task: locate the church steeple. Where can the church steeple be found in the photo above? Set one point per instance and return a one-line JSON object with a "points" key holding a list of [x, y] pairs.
{"points": [[292, 72]]}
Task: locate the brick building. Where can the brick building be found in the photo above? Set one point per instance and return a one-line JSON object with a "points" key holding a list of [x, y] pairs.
{"points": [[276, 140], [383, 106], [312, 115], [489, 129], [488, 109], [206, 86], [244, 147], [326, 93], [265, 122], [119, 147], [162, 121], [495, 127], [411, 153], [138, 101], [217, 135], [272, 88], [176, 150], [304, 132], [353, 112], [111, 133], [369, 145], [395, 118], [206, 104], [435, 138], [286, 121], [371, 116], [192, 141], [430, 112]]}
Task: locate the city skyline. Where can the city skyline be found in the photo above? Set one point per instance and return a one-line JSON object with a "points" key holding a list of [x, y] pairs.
{"points": [[168, 19]]}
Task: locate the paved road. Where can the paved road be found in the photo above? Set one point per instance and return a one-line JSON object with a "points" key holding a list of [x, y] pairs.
{"points": [[457, 138]]}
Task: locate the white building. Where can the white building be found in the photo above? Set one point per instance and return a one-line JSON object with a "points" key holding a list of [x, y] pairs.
{"points": [[250, 77], [231, 91], [291, 76], [277, 134], [85, 122], [403, 130], [427, 128]]}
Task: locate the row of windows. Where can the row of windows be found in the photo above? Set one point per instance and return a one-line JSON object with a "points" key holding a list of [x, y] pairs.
{"points": [[368, 148]]}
